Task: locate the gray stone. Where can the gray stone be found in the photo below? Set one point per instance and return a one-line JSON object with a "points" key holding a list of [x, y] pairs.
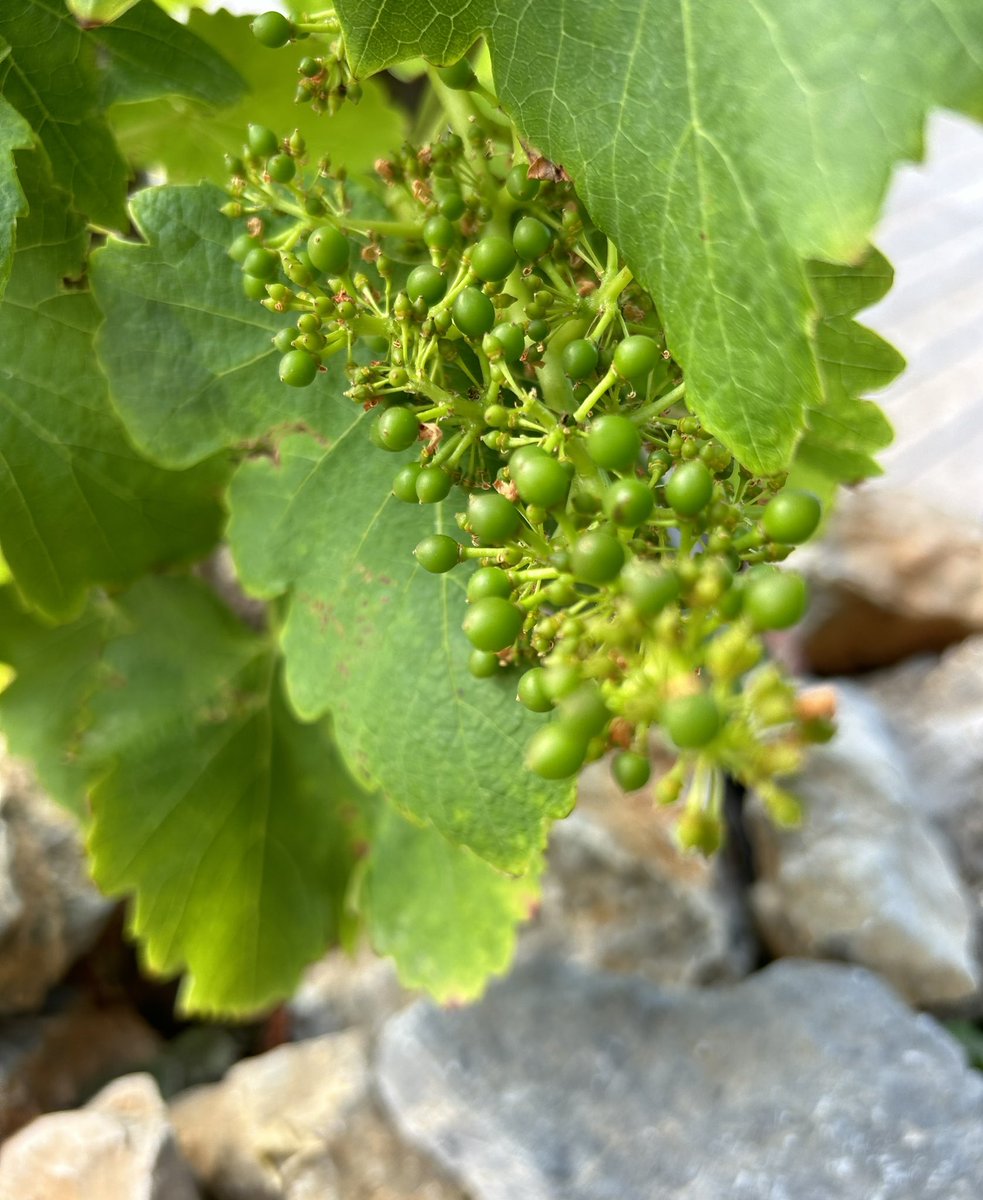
{"points": [[864, 878], [50, 913], [266, 1131], [806, 1081], [119, 1147], [620, 894], [342, 991]]}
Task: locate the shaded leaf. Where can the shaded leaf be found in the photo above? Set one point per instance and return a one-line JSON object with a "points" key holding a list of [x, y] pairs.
{"points": [[227, 819], [15, 134]]}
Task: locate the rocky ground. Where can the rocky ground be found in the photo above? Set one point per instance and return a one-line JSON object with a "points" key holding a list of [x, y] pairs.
{"points": [[778, 1024]]}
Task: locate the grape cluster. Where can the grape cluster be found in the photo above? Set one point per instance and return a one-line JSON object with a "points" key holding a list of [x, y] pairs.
{"points": [[625, 561]]}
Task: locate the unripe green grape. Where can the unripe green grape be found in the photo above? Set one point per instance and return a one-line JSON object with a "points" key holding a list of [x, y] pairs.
{"points": [[497, 416], [792, 516], [261, 263], [398, 427], [531, 691], [283, 340], [328, 250], [631, 770], [489, 581], [584, 710], [309, 67], [473, 312], [272, 29], [298, 368], [254, 289], [241, 246], [511, 339], [689, 488], [775, 599], [432, 486], [437, 553], [556, 751], [492, 517], [635, 357], [458, 76], [519, 186], [597, 557], [561, 680], [313, 343], [539, 478], [483, 664], [451, 204], [537, 330], [691, 721], [531, 239], [628, 502], [492, 623], [281, 168], [613, 442], [426, 283], [404, 484], [309, 323], [493, 258], [579, 358], [438, 234]]}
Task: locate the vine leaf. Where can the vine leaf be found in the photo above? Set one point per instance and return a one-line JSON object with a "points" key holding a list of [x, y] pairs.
{"points": [[15, 134], [150, 55], [56, 669], [51, 76], [722, 146], [843, 434], [189, 140], [77, 504], [229, 820], [189, 358], [376, 640], [445, 916]]}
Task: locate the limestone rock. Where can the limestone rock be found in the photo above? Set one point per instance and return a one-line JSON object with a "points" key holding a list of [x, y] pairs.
{"points": [[120, 1146], [343, 991], [619, 894], [806, 1080], [864, 878], [50, 913]]}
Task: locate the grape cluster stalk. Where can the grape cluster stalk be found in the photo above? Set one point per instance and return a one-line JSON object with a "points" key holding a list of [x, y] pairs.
{"points": [[622, 564]]}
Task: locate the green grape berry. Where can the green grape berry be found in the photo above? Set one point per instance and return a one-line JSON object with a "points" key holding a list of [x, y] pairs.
{"points": [[537, 330], [272, 29], [512, 340], [427, 283], [404, 484], [531, 691], [328, 250], [438, 234], [792, 516], [579, 358], [531, 239], [241, 247], [398, 427], [691, 721], [775, 599], [284, 339], [451, 204], [281, 168], [253, 288], [261, 263], [540, 478], [493, 518], [519, 186], [473, 313], [483, 664], [597, 557], [631, 770], [492, 623], [437, 553], [584, 710], [493, 258], [689, 488], [649, 588], [298, 368], [262, 141], [432, 485], [458, 76], [635, 357], [613, 442], [489, 581], [628, 502], [556, 751]]}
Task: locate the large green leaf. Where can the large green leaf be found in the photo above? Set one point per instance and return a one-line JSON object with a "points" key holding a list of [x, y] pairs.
{"points": [[150, 55], [721, 145], [51, 77], [15, 134], [189, 141], [77, 504], [843, 434], [228, 820], [190, 359], [376, 640], [42, 710], [446, 917]]}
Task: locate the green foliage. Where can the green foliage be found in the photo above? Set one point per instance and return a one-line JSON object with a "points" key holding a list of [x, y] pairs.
{"points": [[15, 134], [721, 146]]}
